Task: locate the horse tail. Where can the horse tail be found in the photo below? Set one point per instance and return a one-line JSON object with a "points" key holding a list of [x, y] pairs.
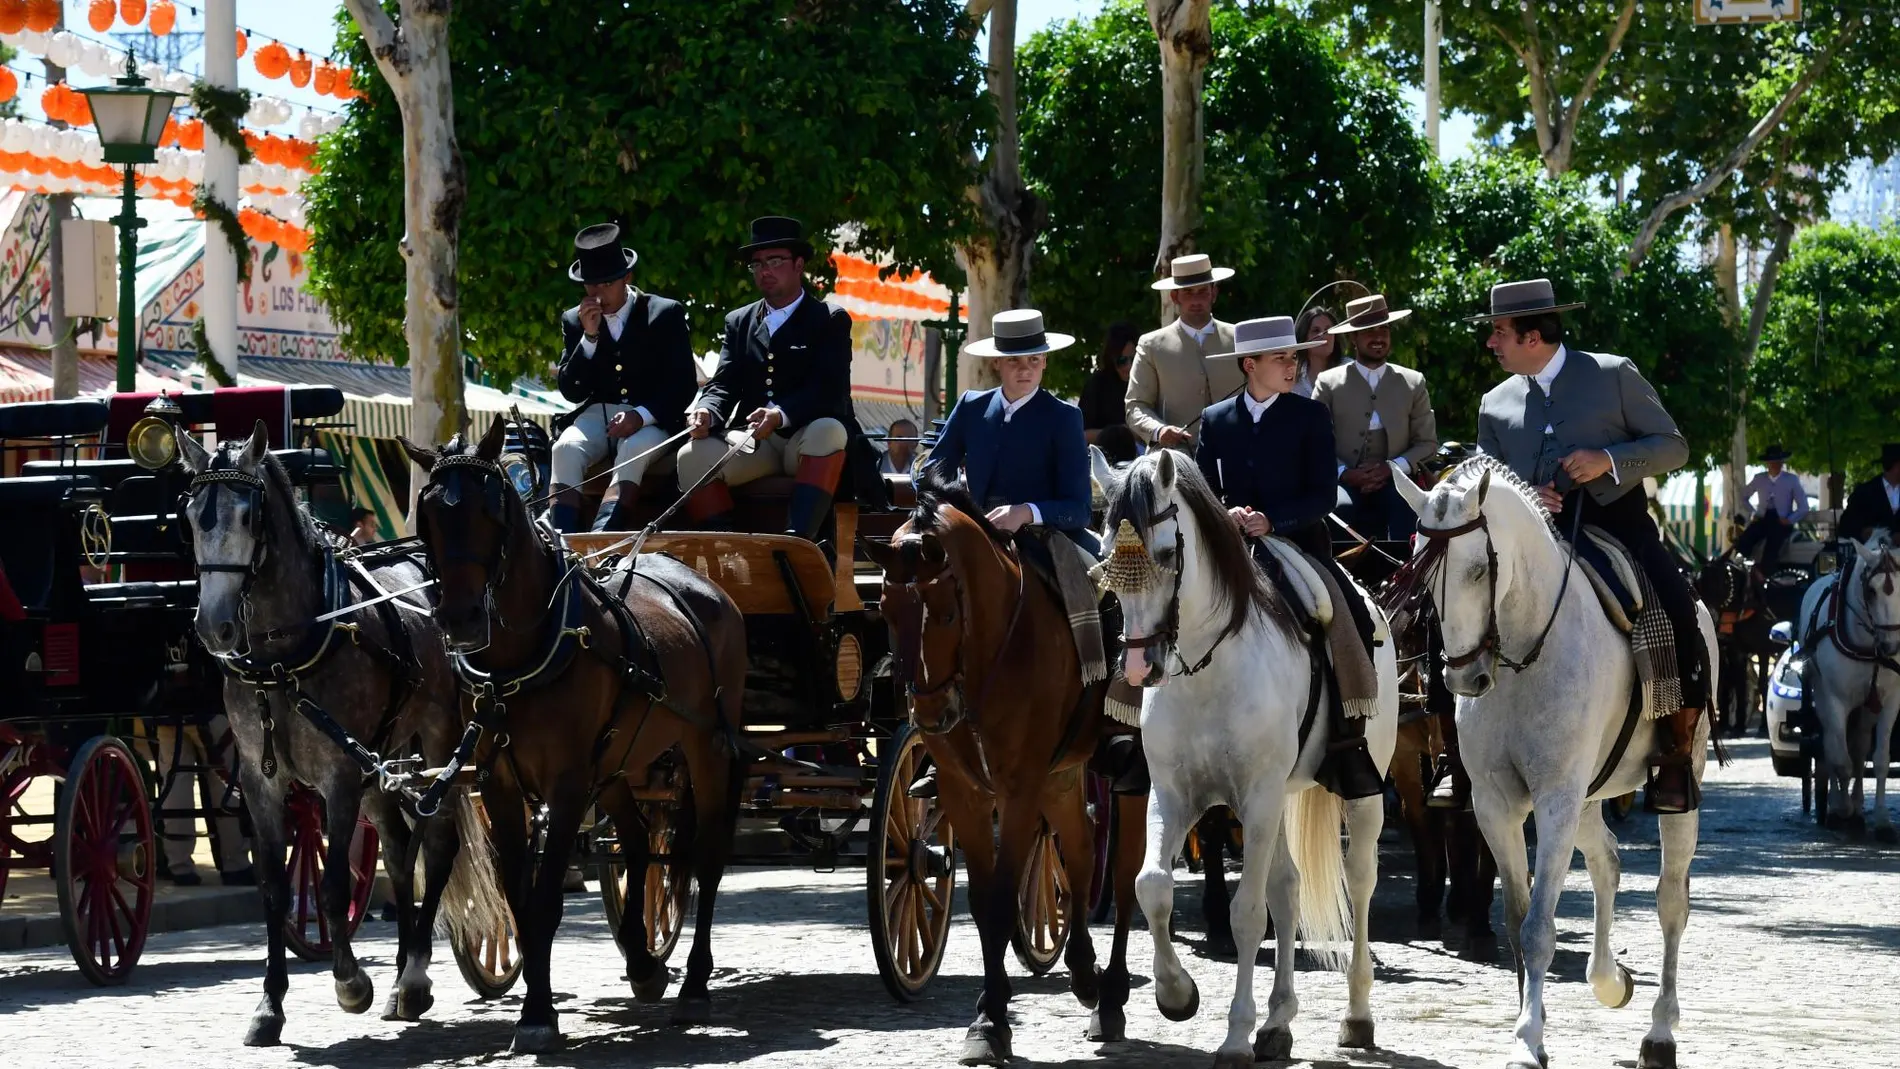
{"points": [[1313, 818], [473, 906]]}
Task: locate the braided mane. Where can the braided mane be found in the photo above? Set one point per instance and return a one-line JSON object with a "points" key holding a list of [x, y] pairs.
{"points": [[1470, 470]]}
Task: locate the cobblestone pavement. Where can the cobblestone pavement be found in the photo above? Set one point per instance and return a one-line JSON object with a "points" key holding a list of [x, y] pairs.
{"points": [[1792, 958]]}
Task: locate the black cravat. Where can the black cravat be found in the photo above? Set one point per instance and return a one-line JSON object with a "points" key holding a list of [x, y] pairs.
{"points": [[1545, 469]]}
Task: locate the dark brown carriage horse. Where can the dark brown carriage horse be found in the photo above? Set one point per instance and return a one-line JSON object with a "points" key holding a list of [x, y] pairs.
{"points": [[985, 654], [584, 695]]}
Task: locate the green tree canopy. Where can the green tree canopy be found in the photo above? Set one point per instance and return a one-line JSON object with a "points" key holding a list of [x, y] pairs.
{"points": [[1313, 170], [1826, 382], [1499, 219], [681, 119]]}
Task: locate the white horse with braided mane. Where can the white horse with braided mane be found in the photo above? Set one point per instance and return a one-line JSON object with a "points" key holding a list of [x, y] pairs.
{"points": [[1225, 730], [1851, 624], [1539, 734]]}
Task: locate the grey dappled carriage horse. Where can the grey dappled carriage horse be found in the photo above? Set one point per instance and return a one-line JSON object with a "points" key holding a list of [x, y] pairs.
{"points": [[587, 688], [301, 693]]}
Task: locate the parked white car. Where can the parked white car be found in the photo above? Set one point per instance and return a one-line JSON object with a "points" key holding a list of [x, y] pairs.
{"points": [[1784, 705]]}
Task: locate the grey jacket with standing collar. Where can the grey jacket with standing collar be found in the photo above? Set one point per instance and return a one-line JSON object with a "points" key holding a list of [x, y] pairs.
{"points": [[1597, 401]]}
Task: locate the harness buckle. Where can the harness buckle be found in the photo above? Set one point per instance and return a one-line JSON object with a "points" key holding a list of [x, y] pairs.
{"points": [[583, 634]]}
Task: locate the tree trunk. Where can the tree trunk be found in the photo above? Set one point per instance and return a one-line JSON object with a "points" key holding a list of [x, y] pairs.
{"points": [[1556, 122], [413, 57], [1735, 471], [1751, 344], [1184, 32], [996, 264]]}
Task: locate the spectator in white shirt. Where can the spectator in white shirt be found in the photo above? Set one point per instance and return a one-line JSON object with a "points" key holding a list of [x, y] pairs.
{"points": [[1776, 502]]}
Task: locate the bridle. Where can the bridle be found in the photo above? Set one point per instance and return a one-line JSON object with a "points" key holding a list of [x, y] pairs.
{"points": [[495, 486], [1888, 568], [251, 489], [1168, 635], [907, 662]]}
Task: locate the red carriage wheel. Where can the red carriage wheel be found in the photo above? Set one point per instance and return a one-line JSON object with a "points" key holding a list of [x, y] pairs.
{"points": [[306, 928], [103, 863], [30, 853]]}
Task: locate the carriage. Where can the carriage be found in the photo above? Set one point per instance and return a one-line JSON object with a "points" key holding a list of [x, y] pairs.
{"points": [[89, 668]]}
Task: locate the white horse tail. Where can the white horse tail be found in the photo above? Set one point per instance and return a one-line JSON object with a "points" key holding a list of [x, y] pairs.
{"points": [[1313, 819], [473, 906]]}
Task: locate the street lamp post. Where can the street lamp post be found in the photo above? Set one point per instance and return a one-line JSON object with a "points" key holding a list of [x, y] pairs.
{"points": [[130, 119]]}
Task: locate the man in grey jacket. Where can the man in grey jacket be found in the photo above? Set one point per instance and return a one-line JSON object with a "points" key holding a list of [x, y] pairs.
{"points": [[1586, 429]]}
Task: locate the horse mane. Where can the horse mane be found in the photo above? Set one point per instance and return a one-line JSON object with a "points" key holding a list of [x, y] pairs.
{"points": [[1238, 583], [1472, 468], [936, 488]]}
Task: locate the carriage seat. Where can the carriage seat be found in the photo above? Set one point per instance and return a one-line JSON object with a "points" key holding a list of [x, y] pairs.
{"points": [[53, 419], [181, 593], [105, 473], [36, 492]]}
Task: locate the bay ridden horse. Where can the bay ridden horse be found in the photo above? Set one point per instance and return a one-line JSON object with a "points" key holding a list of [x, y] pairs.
{"points": [[1548, 723], [585, 689], [1236, 724], [297, 689], [985, 654], [1851, 633]]}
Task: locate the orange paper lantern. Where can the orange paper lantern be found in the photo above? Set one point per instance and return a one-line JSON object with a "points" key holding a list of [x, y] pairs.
{"points": [[191, 135], [133, 11], [164, 17], [9, 84], [243, 43], [273, 60], [42, 15], [101, 15], [324, 81], [345, 83], [12, 16], [300, 70]]}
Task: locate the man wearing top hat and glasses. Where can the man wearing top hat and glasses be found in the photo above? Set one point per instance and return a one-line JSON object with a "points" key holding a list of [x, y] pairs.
{"points": [[627, 361], [784, 377], [1586, 429], [1779, 503], [1172, 382], [1381, 412]]}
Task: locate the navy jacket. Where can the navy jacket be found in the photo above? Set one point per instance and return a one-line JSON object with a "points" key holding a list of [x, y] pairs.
{"points": [[1866, 509], [1282, 466], [1037, 458], [650, 364], [804, 369]]}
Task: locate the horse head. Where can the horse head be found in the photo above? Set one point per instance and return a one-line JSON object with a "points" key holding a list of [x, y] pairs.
{"points": [[1878, 576], [924, 606], [467, 516], [224, 515]]}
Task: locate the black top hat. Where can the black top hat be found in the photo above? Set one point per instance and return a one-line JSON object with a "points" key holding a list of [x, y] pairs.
{"points": [[777, 232], [1889, 455], [1774, 452], [601, 259]]}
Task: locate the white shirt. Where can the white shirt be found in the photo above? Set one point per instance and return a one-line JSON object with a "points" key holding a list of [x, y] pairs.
{"points": [[1257, 408], [1782, 493], [1010, 408], [1893, 494], [1198, 335], [776, 317], [1548, 376], [616, 324]]}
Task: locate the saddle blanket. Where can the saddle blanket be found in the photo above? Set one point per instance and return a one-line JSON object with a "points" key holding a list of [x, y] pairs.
{"points": [[1323, 601], [1077, 590], [1630, 601]]}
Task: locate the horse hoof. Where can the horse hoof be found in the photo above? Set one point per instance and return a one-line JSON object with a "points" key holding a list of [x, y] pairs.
{"points": [[653, 988], [1480, 948], [1356, 1034], [1885, 833], [1086, 985], [354, 995], [1430, 930], [536, 1039], [267, 1032], [1108, 1025], [985, 1045], [1221, 945], [1228, 1059], [1183, 1012], [408, 1004], [1625, 989], [692, 1011], [1273, 1045], [1657, 1054]]}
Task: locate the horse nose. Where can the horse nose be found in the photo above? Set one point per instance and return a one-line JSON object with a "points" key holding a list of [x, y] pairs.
{"points": [[1481, 682], [227, 633]]}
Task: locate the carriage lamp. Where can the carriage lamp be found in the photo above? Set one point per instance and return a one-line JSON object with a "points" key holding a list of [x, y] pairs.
{"points": [[152, 443], [130, 118]]}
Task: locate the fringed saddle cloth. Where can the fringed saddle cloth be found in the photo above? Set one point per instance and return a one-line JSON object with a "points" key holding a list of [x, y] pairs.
{"points": [[1630, 601], [1075, 585]]}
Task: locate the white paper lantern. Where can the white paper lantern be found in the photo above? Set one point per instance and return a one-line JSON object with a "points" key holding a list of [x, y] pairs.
{"points": [[44, 139], [31, 41], [94, 156], [13, 136], [62, 49], [195, 167]]}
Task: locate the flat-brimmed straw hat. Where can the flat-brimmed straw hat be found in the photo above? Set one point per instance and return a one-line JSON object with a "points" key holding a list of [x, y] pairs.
{"points": [[1368, 312], [1187, 272], [1509, 299], [1273, 334], [1019, 333]]}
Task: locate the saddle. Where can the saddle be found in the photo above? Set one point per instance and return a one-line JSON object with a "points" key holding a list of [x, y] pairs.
{"points": [[1314, 591], [1629, 600], [1614, 576]]}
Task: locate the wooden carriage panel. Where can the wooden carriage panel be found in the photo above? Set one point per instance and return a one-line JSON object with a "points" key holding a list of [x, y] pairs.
{"points": [[744, 565]]}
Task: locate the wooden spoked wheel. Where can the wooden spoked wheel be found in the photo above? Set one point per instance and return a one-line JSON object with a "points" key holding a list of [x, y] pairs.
{"points": [[306, 927], [667, 888], [104, 864], [491, 962], [1042, 907], [910, 872]]}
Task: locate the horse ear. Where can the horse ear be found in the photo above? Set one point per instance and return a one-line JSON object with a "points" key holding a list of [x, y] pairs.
{"points": [[880, 553], [492, 441], [255, 449], [932, 548], [1408, 489], [420, 457], [1484, 487], [1164, 469], [192, 453]]}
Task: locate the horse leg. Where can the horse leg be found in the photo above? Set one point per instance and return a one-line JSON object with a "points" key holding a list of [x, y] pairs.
{"points": [[1503, 828], [1167, 827], [1109, 1024], [1557, 818], [992, 898], [1212, 831], [1678, 833], [441, 842], [1365, 818], [1068, 818], [1473, 858], [1882, 758], [987, 1040], [1612, 982], [645, 972], [1260, 825], [273, 884], [399, 846], [709, 838], [1274, 1043], [1424, 826], [538, 1031], [342, 802]]}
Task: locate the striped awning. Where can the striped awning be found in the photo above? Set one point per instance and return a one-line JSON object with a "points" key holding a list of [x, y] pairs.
{"points": [[26, 374]]}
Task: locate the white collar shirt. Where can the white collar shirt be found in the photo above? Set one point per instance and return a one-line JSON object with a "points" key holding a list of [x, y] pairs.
{"points": [[776, 317], [1256, 409], [1373, 376], [1010, 408], [615, 322], [1197, 335], [1893, 494]]}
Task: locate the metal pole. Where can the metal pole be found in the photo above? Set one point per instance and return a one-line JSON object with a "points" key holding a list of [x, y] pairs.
{"points": [[129, 223], [1433, 29]]}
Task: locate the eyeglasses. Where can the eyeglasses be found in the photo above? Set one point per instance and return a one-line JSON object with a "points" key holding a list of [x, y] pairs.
{"points": [[770, 263]]}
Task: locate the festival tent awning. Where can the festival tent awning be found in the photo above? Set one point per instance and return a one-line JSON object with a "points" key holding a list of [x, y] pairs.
{"points": [[26, 374]]}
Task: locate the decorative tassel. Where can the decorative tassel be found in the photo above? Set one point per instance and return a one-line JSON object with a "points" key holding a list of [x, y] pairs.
{"points": [[1129, 568]]}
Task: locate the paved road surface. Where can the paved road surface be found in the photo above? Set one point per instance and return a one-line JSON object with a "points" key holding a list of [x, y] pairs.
{"points": [[1792, 958]]}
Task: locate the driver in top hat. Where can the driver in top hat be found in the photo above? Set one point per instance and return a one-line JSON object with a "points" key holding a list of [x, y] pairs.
{"points": [[1586, 429], [627, 361], [1876, 502], [785, 371]]}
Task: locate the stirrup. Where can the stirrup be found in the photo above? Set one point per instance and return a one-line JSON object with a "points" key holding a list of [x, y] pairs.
{"points": [[1691, 793], [1442, 792]]}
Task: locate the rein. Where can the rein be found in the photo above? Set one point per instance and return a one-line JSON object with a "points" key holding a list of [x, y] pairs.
{"points": [[1843, 614], [1170, 630], [1438, 539]]}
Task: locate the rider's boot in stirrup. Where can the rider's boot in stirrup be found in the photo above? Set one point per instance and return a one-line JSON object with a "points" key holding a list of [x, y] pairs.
{"points": [[1450, 788], [1348, 769], [1672, 787]]}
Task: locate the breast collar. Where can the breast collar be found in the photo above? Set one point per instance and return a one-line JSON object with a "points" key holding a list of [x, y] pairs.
{"points": [[275, 672], [565, 638]]}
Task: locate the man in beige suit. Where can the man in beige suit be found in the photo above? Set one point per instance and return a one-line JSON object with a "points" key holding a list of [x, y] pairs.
{"points": [[1173, 381], [1380, 412]]}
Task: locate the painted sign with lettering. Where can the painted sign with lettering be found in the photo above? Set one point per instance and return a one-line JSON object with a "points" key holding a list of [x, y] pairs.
{"points": [[1719, 11]]}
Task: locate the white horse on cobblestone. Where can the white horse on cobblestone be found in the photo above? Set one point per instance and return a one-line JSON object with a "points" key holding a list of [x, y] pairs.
{"points": [[1855, 646], [1225, 731], [1536, 738]]}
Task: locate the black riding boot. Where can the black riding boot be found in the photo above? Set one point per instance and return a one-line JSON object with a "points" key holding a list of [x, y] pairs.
{"points": [[620, 516], [1348, 769]]}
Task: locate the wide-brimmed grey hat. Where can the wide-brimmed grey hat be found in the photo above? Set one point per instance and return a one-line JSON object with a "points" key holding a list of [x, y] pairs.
{"points": [[1187, 272], [1367, 312], [1270, 335], [1019, 332], [1509, 299]]}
